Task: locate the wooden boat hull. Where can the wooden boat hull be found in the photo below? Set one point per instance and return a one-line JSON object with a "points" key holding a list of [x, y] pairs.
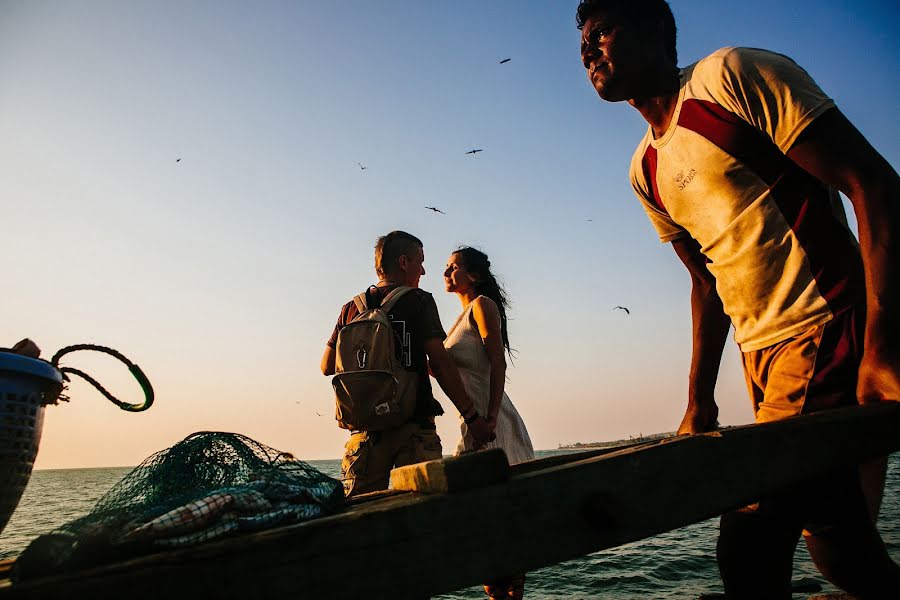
{"points": [[417, 544]]}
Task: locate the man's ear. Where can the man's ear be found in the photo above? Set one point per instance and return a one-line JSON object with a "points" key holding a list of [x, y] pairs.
{"points": [[403, 262]]}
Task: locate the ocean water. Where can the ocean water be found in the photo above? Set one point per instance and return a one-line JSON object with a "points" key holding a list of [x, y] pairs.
{"points": [[676, 565]]}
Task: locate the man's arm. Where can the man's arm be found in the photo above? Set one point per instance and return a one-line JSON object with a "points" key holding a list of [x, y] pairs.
{"points": [[327, 364], [447, 376], [834, 151], [710, 329]]}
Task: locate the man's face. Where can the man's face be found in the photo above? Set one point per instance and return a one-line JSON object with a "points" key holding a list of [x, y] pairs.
{"points": [[614, 52], [412, 267]]}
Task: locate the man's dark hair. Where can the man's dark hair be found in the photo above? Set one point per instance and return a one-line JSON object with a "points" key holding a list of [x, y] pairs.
{"points": [[389, 248], [636, 11]]}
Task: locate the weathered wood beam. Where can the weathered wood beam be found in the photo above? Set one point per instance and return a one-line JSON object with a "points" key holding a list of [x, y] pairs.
{"points": [[453, 474], [417, 545]]}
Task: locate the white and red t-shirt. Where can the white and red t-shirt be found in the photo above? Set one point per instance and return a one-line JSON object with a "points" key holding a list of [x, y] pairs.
{"points": [[775, 238]]}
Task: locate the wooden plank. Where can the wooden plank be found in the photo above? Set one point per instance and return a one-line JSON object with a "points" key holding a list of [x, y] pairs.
{"points": [[454, 474], [564, 459], [416, 545]]}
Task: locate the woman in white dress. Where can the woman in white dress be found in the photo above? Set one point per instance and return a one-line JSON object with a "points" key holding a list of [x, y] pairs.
{"points": [[477, 343]]}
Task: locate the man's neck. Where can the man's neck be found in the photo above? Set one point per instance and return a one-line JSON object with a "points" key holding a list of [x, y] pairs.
{"points": [[657, 106], [389, 282]]}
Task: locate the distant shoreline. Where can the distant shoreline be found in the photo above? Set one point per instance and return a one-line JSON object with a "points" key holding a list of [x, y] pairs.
{"points": [[631, 440]]}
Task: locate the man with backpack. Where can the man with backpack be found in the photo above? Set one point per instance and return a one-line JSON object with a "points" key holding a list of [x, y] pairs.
{"points": [[382, 347]]}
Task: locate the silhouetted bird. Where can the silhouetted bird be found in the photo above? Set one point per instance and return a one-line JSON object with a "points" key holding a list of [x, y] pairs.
{"points": [[474, 151], [622, 308], [505, 60], [177, 160], [362, 167], [437, 210]]}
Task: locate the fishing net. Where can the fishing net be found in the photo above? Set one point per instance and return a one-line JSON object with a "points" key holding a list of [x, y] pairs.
{"points": [[208, 486]]}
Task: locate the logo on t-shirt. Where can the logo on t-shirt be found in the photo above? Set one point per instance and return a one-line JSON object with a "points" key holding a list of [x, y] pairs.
{"points": [[404, 341], [682, 180]]}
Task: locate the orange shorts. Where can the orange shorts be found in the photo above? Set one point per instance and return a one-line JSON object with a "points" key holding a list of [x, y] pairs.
{"points": [[816, 370], [813, 371]]}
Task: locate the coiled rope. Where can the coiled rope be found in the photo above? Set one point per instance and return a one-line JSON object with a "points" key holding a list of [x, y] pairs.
{"points": [[135, 371]]}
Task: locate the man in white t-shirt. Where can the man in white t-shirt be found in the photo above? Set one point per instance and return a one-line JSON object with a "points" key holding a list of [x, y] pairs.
{"points": [[740, 170]]}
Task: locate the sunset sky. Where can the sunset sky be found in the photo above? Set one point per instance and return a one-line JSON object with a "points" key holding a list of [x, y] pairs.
{"points": [[222, 275]]}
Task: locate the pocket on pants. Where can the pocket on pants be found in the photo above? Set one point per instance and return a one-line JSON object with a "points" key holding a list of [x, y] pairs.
{"points": [[426, 446], [355, 461]]}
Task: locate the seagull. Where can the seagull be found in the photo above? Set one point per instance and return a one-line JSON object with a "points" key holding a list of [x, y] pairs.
{"points": [[362, 167], [177, 160], [505, 60], [622, 308], [437, 210], [474, 151]]}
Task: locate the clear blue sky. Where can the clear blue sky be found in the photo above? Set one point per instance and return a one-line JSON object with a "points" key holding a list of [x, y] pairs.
{"points": [[222, 275]]}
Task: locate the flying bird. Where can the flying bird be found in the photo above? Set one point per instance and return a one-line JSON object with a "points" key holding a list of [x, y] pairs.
{"points": [[622, 308], [362, 167], [177, 160], [437, 210], [474, 151], [505, 60]]}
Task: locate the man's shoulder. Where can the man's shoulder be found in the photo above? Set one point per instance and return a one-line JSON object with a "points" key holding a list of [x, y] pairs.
{"points": [[735, 59], [416, 298], [420, 293]]}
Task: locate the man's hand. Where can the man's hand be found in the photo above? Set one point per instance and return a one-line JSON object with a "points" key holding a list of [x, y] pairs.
{"points": [[699, 419], [879, 378], [481, 431], [492, 421]]}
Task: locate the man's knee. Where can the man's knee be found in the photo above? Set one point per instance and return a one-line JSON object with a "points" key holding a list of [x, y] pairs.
{"points": [[855, 560]]}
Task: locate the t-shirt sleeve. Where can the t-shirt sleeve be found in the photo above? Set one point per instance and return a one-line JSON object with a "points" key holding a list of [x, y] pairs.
{"points": [[666, 227], [342, 320], [429, 320], [771, 92]]}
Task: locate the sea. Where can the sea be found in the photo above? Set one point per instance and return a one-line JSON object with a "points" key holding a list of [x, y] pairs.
{"points": [[679, 565]]}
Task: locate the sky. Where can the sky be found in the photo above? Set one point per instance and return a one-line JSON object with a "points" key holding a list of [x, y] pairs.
{"points": [[222, 274]]}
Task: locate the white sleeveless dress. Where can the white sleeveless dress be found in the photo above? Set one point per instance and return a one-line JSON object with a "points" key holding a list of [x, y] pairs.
{"points": [[467, 350]]}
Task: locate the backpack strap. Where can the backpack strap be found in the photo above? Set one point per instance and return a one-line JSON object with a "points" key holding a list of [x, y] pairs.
{"points": [[387, 303], [360, 302]]}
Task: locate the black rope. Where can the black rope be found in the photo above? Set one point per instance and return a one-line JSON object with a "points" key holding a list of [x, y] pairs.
{"points": [[135, 371]]}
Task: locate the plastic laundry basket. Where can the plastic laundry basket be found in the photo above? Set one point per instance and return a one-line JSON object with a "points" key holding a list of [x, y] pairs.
{"points": [[27, 385]]}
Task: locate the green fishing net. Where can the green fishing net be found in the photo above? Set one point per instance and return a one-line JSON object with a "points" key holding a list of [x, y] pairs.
{"points": [[206, 487]]}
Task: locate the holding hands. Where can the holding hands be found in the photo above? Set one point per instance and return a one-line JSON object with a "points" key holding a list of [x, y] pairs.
{"points": [[482, 430]]}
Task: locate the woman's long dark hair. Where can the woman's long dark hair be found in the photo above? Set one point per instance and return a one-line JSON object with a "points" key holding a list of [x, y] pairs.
{"points": [[478, 264]]}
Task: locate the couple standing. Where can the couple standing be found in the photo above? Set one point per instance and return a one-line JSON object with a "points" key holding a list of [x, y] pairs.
{"points": [[468, 363]]}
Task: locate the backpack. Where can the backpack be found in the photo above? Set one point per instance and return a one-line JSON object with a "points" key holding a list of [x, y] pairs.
{"points": [[372, 389]]}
